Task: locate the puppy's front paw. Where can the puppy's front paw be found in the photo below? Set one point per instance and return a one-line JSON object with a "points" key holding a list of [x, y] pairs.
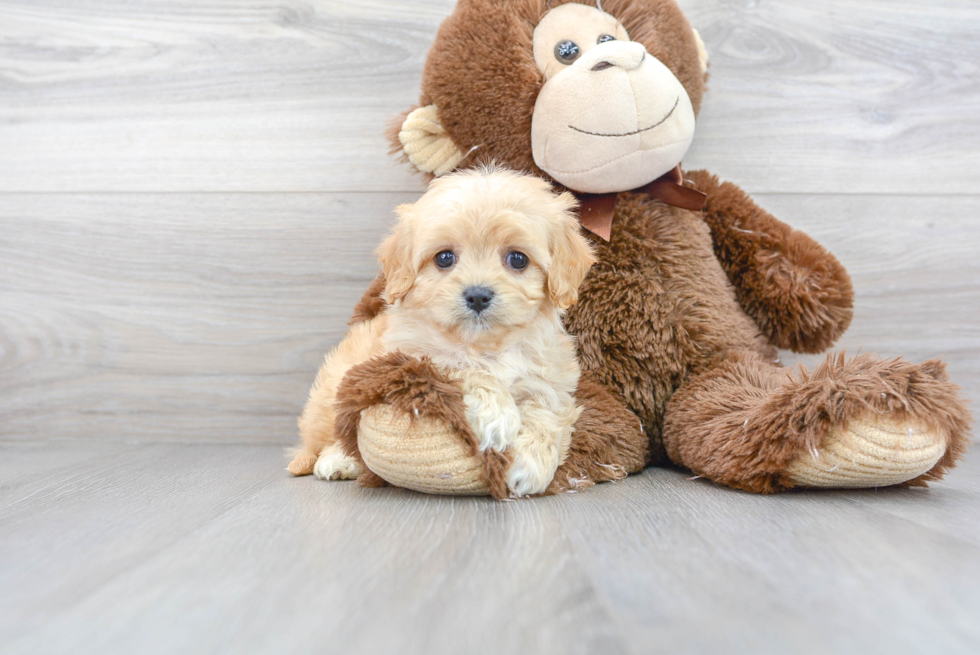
{"points": [[493, 417], [334, 464], [530, 474]]}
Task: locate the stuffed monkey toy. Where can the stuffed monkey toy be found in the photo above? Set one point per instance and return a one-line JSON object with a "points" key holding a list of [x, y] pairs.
{"points": [[696, 287]]}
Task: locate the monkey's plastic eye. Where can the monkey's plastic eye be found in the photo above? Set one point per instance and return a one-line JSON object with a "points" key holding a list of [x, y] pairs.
{"points": [[566, 52], [517, 260], [605, 37], [445, 259]]}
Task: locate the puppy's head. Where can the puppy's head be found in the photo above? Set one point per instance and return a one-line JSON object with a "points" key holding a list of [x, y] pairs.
{"points": [[486, 250]]}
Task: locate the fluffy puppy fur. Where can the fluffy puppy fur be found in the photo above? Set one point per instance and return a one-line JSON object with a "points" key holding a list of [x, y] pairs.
{"points": [[478, 274]]}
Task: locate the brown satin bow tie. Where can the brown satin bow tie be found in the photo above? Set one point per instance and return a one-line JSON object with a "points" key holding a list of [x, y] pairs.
{"points": [[596, 209]]}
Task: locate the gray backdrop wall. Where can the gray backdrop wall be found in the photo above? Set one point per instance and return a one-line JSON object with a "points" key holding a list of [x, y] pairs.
{"points": [[190, 192]]}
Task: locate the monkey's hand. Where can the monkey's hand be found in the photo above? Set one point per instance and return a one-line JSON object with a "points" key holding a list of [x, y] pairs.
{"points": [[799, 295]]}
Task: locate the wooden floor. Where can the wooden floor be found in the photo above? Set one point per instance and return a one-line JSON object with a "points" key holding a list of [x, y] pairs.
{"points": [[212, 548], [190, 194]]}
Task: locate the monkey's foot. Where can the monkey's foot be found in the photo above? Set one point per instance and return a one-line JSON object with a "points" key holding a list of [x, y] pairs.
{"points": [[869, 452], [424, 454]]}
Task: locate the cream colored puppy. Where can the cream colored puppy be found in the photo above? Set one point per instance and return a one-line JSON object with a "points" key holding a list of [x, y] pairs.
{"points": [[478, 273]]}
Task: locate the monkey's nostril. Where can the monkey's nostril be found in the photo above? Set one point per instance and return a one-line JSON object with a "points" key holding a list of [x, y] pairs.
{"points": [[601, 66]]}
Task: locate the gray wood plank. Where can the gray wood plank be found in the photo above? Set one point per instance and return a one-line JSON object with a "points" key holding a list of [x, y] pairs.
{"points": [[292, 565], [203, 96], [207, 548], [28, 468], [875, 96], [111, 513], [917, 285], [949, 507], [190, 317], [692, 567], [142, 335], [845, 96]]}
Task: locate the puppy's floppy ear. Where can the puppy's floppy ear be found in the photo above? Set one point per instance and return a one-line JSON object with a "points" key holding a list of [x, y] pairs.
{"points": [[571, 256], [397, 257]]}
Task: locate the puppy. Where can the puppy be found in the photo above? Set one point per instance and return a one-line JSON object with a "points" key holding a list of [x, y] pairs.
{"points": [[478, 273]]}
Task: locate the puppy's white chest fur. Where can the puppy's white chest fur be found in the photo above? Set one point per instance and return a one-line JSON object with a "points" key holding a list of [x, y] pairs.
{"points": [[518, 388]]}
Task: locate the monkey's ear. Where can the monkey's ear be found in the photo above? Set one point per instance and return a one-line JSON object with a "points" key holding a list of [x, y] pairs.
{"points": [[702, 51], [426, 143], [397, 258]]}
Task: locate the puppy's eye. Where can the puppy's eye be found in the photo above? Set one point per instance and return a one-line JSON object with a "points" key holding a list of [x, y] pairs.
{"points": [[517, 260], [566, 52], [445, 259], [605, 37]]}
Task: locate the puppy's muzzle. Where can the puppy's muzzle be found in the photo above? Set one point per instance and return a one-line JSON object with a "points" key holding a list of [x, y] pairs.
{"points": [[477, 298]]}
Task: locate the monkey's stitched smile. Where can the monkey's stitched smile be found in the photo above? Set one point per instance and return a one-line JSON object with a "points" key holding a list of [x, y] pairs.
{"points": [[645, 129]]}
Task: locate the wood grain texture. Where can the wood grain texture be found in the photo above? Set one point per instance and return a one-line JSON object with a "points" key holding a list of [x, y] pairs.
{"points": [[917, 286], [841, 96], [209, 548], [204, 96], [202, 549], [875, 96], [191, 316], [190, 195], [705, 570], [204, 317]]}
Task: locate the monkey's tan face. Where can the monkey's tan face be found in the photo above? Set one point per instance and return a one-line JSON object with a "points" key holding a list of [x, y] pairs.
{"points": [[610, 117]]}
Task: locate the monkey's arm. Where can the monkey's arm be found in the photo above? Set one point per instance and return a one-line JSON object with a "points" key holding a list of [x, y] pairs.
{"points": [[371, 303], [798, 293]]}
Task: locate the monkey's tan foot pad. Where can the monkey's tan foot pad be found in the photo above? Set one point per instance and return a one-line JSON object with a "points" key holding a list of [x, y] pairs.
{"points": [[869, 452], [423, 455]]}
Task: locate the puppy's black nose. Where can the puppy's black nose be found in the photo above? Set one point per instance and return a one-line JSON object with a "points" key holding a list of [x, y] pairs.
{"points": [[478, 298]]}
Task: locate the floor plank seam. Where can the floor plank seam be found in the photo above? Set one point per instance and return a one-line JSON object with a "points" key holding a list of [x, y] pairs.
{"points": [[945, 534]]}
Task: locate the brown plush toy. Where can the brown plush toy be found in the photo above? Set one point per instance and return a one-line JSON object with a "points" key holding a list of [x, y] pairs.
{"points": [[695, 289]]}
